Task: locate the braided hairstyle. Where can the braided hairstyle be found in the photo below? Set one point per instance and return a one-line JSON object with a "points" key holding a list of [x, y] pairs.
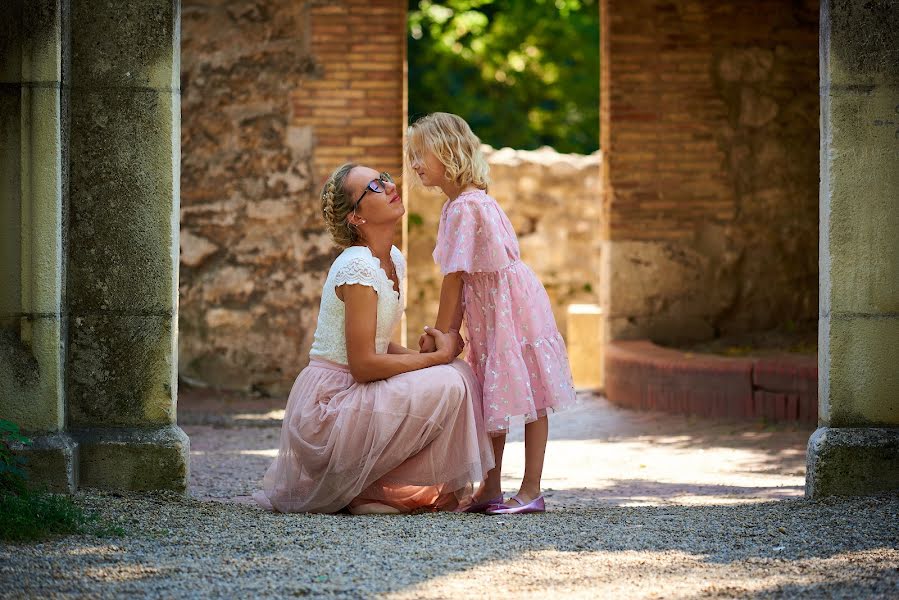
{"points": [[337, 205]]}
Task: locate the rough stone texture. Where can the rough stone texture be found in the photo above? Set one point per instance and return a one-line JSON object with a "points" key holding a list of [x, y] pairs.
{"points": [[32, 197], [857, 450], [859, 312], [133, 459], [254, 252], [121, 225], [709, 115], [52, 462], [553, 202], [844, 461], [141, 51], [121, 371]]}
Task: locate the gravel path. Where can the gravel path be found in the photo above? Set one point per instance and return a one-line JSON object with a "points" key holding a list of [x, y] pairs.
{"points": [[642, 506]]}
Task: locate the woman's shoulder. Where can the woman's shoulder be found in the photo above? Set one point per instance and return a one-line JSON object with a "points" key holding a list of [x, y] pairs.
{"points": [[352, 256]]}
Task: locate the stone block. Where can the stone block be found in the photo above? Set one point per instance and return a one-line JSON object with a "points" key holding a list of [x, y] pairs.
{"points": [[860, 247], [861, 371], [10, 200], [859, 39], [124, 199], [134, 459], [584, 343], [132, 44], [852, 461], [121, 371], [31, 376], [659, 290], [52, 462], [41, 209]]}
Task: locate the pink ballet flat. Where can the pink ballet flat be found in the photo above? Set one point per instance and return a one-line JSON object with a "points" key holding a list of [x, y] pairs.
{"points": [[537, 505], [479, 507]]}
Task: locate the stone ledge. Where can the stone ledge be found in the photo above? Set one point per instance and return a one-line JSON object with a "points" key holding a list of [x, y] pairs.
{"points": [[133, 458], [850, 461], [643, 375], [52, 462]]}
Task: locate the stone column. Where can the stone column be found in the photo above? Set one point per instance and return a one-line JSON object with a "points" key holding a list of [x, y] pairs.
{"points": [[856, 448], [123, 244], [32, 194]]}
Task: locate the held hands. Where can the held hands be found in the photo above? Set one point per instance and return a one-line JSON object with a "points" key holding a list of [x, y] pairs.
{"points": [[449, 344]]}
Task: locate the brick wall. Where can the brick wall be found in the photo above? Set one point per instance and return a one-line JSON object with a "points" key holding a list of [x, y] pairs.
{"points": [[355, 108], [709, 121], [275, 94]]}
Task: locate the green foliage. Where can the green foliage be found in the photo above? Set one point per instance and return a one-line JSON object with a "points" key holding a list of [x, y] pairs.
{"points": [[12, 472], [523, 74], [415, 220], [27, 515]]}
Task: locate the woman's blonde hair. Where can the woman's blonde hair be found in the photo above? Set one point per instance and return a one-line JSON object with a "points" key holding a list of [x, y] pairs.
{"points": [[454, 144], [337, 205]]}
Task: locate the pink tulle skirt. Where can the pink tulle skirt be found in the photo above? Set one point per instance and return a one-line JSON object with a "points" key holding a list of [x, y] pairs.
{"points": [[414, 441]]}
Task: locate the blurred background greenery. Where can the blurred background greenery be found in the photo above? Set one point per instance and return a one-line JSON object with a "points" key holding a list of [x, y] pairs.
{"points": [[523, 73]]}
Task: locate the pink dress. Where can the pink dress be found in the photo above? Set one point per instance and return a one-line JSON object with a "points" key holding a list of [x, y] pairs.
{"points": [[515, 349]]}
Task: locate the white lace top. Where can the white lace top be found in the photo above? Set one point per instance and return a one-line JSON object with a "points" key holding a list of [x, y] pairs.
{"points": [[357, 265]]}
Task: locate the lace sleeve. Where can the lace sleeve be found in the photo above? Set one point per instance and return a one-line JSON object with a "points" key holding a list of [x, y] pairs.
{"points": [[356, 271]]}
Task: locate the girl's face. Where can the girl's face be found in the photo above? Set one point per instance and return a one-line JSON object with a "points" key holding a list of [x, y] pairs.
{"points": [[375, 207], [429, 168]]}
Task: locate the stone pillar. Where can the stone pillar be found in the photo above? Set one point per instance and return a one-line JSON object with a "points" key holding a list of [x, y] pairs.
{"points": [[32, 195], [123, 244], [856, 448]]}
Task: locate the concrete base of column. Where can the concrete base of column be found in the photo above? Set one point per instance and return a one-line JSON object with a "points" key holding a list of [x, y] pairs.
{"points": [[852, 461], [134, 459], [52, 462]]}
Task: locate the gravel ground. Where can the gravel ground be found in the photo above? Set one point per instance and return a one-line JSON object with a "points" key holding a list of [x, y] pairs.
{"points": [[643, 506]]}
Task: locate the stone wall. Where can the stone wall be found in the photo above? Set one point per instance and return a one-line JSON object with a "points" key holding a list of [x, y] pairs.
{"points": [[710, 132], [275, 94], [553, 202]]}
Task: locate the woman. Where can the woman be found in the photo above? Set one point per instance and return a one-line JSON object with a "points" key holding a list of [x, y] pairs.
{"points": [[372, 426]]}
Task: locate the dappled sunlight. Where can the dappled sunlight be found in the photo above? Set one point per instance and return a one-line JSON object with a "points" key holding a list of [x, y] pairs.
{"points": [[660, 469], [644, 574], [272, 415], [122, 572], [104, 550]]}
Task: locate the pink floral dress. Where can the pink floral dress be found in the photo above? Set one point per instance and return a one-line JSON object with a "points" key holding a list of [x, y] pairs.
{"points": [[515, 348]]}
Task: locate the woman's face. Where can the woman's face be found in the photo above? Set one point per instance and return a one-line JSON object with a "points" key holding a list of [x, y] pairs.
{"points": [[384, 207], [429, 168]]}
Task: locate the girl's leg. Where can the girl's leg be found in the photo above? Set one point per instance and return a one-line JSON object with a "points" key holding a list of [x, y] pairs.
{"points": [[536, 434], [492, 486]]}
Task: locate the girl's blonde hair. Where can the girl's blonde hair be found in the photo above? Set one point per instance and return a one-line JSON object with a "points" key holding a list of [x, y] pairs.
{"points": [[454, 144], [337, 205]]}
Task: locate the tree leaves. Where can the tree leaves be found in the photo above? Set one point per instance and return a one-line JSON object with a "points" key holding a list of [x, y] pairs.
{"points": [[523, 74]]}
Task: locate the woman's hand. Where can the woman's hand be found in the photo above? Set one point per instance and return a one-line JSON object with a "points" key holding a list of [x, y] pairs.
{"points": [[444, 343], [426, 343]]}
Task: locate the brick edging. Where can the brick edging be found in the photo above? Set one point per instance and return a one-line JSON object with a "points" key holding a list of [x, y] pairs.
{"points": [[642, 375]]}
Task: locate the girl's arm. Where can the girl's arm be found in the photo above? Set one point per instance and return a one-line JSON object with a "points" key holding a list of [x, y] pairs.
{"points": [[449, 315], [394, 348], [361, 302]]}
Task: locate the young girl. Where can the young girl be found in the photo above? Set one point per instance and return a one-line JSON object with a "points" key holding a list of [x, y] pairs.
{"points": [[515, 348]]}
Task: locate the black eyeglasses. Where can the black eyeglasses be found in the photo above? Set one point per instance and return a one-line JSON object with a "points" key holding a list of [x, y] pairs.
{"points": [[375, 185]]}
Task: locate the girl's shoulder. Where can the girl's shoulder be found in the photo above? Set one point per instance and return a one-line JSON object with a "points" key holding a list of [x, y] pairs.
{"points": [[468, 200]]}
